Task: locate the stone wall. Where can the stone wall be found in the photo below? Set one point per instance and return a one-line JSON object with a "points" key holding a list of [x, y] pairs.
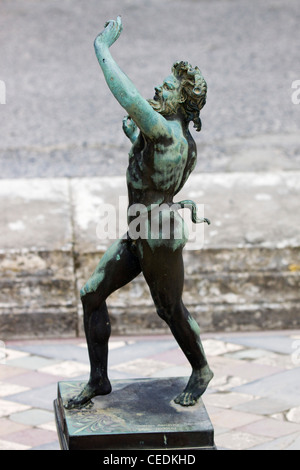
{"points": [[241, 273]]}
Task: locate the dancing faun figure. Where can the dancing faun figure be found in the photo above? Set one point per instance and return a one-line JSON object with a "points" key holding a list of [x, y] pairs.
{"points": [[162, 156]]}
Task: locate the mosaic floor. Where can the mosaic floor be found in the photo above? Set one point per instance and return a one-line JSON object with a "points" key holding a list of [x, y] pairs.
{"points": [[253, 400]]}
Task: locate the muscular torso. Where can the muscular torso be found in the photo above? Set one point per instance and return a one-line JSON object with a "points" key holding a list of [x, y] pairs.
{"points": [[158, 169]]}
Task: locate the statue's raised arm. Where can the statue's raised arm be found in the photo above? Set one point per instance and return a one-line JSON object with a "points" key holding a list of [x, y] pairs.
{"points": [[161, 158], [149, 122]]}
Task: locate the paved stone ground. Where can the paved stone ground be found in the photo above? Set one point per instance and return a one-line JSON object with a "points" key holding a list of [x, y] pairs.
{"points": [[253, 400]]}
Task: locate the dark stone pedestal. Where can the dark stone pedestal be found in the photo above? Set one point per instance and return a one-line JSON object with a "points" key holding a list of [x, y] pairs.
{"points": [[139, 414]]}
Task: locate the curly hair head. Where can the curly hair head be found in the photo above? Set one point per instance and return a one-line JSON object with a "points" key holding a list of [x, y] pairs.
{"points": [[194, 89]]}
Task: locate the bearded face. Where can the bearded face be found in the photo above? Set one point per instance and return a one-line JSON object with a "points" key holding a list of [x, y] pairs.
{"points": [[162, 106], [167, 97]]}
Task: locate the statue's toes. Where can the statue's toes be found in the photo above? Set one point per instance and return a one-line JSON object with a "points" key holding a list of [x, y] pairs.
{"points": [[77, 402], [185, 399], [70, 404]]}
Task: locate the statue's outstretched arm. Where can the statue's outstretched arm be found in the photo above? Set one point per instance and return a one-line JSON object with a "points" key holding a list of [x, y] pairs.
{"points": [[149, 121]]}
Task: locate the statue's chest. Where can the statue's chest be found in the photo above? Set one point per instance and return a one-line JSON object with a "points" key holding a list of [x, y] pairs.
{"points": [[140, 165]]}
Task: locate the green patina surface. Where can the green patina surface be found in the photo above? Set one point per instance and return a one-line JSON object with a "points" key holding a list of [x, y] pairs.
{"points": [[194, 325], [92, 284], [162, 157]]}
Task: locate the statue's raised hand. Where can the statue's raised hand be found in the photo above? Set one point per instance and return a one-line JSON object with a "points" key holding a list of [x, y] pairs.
{"points": [[110, 34]]}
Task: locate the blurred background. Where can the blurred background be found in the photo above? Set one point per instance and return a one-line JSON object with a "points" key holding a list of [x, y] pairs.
{"points": [[60, 120], [63, 153]]}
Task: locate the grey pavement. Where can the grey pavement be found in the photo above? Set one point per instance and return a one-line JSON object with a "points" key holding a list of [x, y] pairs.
{"points": [[60, 120], [252, 401]]}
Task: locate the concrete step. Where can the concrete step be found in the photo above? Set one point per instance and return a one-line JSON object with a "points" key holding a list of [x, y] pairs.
{"points": [[241, 273]]}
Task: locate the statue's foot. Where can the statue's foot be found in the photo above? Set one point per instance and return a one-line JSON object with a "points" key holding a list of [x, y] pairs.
{"points": [[196, 386], [102, 387]]}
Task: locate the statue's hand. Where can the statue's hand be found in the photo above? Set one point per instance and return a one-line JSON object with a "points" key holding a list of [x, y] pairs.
{"points": [[110, 34], [129, 127]]}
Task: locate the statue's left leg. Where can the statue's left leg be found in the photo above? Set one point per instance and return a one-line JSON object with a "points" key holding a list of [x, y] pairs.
{"points": [[163, 270], [117, 267]]}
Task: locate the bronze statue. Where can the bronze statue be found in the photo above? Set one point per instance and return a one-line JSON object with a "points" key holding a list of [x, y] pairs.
{"points": [[161, 159]]}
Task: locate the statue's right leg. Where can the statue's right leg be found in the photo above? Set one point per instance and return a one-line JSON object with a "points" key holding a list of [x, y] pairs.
{"points": [[117, 267]]}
